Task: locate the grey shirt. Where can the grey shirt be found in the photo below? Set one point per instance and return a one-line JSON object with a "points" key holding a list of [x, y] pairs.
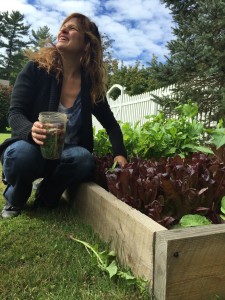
{"points": [[74, 121]]}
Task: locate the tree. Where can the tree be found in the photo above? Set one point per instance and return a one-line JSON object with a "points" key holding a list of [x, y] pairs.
{"points": [[137, 79], [40, 37], [107, 48], [12, 35], [197, 58], [2, 28]]}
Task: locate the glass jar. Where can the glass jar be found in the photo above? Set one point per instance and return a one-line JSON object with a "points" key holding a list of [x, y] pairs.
{"points": [[55, 125]]}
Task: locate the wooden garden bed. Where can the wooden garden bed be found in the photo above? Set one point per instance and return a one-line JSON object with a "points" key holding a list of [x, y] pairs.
{"points": [[181, 263]]}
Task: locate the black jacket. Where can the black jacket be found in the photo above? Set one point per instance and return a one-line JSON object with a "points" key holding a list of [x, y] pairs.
{"points": [[35, 91]]}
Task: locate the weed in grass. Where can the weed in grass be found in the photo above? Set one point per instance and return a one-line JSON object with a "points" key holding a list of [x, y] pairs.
{"points": [[106, 261]]}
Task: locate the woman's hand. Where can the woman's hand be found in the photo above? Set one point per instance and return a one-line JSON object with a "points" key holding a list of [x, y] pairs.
{"points": [[121, 160], [38, 133]]}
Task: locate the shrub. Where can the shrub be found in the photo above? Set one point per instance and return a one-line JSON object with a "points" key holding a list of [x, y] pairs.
{"points": [[5, 93]]}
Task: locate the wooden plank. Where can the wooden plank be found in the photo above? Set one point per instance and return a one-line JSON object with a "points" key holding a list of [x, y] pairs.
{"points": [[189, 263], [129, 231]]}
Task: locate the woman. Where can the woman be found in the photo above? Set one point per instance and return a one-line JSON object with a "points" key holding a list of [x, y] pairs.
{"points": [[69, 78]]}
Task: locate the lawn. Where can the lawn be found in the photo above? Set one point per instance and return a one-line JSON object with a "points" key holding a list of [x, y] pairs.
{"points": [[3, 136], [39, 261]]}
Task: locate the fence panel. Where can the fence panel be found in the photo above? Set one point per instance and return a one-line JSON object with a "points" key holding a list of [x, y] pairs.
{"points": [[134, 108]]}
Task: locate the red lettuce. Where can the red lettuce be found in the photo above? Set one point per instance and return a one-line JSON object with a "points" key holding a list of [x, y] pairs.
{"points": [[167, 189]]}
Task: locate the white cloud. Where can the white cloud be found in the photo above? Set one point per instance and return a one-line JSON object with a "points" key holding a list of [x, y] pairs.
{"points": [[136, 9], [13, 5], [138, 33], [140, 28], [67, 7]]}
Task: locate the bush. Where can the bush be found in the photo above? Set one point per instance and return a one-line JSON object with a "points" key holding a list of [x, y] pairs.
{"points": [[5, 93]]}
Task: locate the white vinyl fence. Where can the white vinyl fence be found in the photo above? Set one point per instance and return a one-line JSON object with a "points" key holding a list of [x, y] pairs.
{"points": [[134, 108]]}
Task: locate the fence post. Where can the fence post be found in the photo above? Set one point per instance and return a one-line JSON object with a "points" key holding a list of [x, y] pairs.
{"points": [[121, 97]]}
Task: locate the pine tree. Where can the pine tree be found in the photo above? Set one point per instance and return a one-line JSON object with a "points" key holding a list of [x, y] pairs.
{"points": [[2, 28], [12, 35], [197, 54], [107, 48], [40, 37]]}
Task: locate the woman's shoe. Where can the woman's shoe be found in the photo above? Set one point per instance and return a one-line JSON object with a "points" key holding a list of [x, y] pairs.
{"points": [[10, 211]]}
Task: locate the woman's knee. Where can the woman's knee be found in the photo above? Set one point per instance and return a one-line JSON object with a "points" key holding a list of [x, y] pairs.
{"points": [[21, 158], [81, 158]]}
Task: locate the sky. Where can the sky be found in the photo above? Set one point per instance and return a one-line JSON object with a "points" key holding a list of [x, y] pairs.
{"points": [[139, 28]]}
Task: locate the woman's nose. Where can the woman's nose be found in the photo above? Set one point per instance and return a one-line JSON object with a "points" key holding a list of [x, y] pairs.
{"points": [[64, 29]]}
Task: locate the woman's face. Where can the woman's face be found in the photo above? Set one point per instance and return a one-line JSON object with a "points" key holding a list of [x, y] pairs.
{"points": [[69, 38]]}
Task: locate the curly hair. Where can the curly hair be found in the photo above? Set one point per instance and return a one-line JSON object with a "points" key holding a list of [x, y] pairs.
{"points": [[92, 65]]}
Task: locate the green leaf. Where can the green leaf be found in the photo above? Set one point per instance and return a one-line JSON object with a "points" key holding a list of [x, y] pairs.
{"points": [[222, 217], [189, 146], [193, 220], [223, 205], [126, 137], [112, 253], [194, 148], [172, 150], [190, 110], [112, 269], [89, 247], [204, 149], [113, 167], [136, 124], [126, 275], [218, 137]]}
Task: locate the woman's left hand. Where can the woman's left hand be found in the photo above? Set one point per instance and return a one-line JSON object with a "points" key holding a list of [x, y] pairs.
{"points": [[121, 160]]}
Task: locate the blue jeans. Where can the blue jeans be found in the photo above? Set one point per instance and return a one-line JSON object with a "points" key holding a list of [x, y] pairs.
{"points": [[23, 163]]}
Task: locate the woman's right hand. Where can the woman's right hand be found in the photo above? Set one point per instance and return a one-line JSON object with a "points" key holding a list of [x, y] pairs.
{"points": [[38, 133]]}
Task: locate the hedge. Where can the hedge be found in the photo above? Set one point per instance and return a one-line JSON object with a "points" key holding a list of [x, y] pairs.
{"points": [[5, 93]]}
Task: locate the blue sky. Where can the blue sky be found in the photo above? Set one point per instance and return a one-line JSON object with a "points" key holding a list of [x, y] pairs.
{"points": [[139, 28]]}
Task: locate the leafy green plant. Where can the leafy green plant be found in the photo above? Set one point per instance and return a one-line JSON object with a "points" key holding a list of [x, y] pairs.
{"points": [[111, 169], [163, 137], [190, 110], [8, 129], [160, 136], [217, 137], [217, 140], [106, 261], [222, 215], [131, 137], [102, 145], [193, 220]]}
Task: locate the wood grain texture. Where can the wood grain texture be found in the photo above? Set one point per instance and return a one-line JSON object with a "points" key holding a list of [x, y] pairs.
{"points": [[129, 231], [190, 263]]}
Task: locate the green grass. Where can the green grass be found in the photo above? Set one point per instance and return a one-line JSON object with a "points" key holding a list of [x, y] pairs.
{"points": [[4, 136], [39, 261]]}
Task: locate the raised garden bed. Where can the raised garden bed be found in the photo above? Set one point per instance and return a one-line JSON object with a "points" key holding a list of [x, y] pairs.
{"points": [[181, 263]]}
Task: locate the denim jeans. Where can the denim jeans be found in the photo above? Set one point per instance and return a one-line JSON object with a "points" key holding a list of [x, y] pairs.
{"points": [[23, 163]]}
